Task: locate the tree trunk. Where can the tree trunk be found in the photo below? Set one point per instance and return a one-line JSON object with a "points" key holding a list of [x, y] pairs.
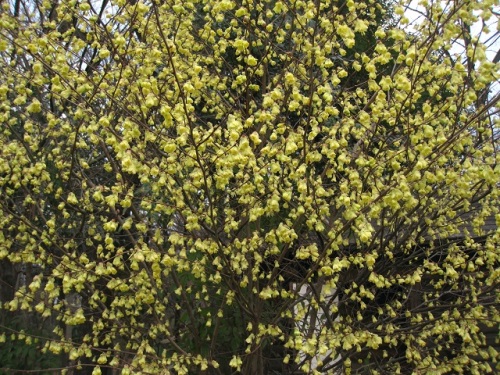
{"points": [[253, 362]]}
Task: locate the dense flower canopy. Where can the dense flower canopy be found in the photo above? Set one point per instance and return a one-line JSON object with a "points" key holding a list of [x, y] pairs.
{"points": [[227, 186]]}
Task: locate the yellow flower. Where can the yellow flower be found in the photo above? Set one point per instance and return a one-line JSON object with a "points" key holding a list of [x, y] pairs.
{"points": [[251, 61], [235, 362]]}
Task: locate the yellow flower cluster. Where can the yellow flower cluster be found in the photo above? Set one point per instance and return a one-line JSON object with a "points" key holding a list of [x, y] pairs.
{"points": [[210, 179]]}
